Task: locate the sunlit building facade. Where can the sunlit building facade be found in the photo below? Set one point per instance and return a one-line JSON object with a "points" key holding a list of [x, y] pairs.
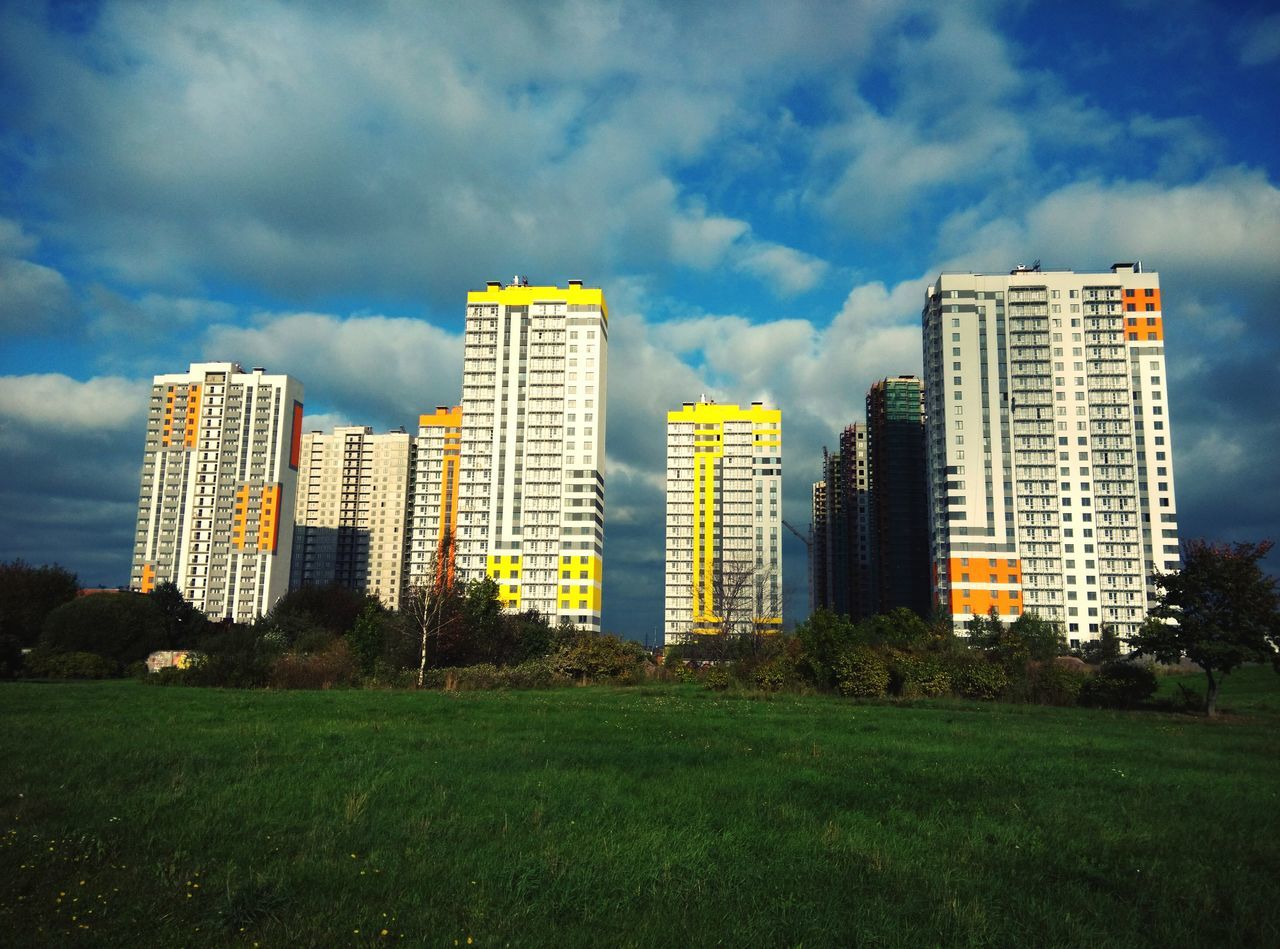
{"points": [[723, 548], [532, 478], [1049, 445], [219, 481]]}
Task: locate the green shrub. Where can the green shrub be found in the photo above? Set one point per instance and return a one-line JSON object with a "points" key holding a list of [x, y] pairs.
{"points": [[334, 666], [1119, 685], [71, 665], [974, 677], [169, 675], [717, 679], [533, 674], [1053, 684], [234, 657], [775, 673], [822, 637], [861, 671], [590, 656], [124, 627], [919, 675]]}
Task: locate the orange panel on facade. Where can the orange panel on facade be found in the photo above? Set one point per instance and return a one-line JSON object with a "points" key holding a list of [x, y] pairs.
{"points": [[193, 416], [980, 569], [240, 516], [166, 432], [148, 578], [1144, 328], [269, 518]]}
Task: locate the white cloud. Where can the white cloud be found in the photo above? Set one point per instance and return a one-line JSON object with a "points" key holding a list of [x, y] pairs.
{"points": [[14, 241], [34, 299], [790, 270], [72, 452], [703, 241], [54, 403], [1226, 225], [1260, 44], [385, 370]]}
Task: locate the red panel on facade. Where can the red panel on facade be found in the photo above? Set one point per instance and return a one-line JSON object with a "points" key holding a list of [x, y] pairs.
{"points": [[295, 445]]}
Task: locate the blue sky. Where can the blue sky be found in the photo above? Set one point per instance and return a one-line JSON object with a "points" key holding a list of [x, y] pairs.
{"points": [[763, 189]]}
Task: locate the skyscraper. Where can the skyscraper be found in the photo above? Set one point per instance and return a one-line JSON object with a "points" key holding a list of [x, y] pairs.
{"points": [[1050, 463], [723, 551], [531, 493], [899, 534], [350, 521], [819, 541], [219, 472], [845, 574], [433, 535]]}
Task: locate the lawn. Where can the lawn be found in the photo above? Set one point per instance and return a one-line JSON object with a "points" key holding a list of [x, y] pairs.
{"points": [[648, 816]]}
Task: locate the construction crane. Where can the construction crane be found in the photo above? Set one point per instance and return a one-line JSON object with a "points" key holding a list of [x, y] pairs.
{"points": [[807, 541], [808, 547]]}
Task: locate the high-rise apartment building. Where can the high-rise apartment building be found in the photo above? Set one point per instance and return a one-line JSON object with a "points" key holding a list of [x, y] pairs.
{"points": [[531, 491], [433, 535], [899, 535], [844, 575], [723, 551], [350, 520], [818, 545], [1050, 462], [219, 472]]}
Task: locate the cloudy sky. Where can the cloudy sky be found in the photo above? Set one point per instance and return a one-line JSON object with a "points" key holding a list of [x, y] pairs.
{"points": [[763, 189]]}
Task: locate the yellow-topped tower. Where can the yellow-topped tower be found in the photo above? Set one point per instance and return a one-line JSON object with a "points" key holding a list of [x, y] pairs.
{"points": [[724, 550], [531, 482]]}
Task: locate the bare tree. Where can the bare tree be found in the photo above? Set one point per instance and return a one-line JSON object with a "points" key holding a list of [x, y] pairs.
{"points": [[746, 609], [429, 605]]}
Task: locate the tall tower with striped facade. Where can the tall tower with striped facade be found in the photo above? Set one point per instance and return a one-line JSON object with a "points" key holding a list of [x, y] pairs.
{"points": [[724, 514], [531, 481], [219, 481], [1050, 455]]}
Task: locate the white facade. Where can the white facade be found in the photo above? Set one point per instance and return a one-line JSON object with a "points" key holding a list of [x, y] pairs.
{"points": [[531, 495], [1049, 445], [351, 517], [723, 548], [215, 510]]}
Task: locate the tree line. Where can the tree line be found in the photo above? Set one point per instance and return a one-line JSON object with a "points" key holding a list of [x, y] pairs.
{"points": [[1220, 611]]}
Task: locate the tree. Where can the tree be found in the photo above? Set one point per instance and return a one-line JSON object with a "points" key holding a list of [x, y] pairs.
{"points": [[1044, 638], [747, 611], [329, 608], [823, 637], [125, 627], [1027, 637], [28, 594], [365, 638], [1220, 611], [1106, 648], [183, 623]]}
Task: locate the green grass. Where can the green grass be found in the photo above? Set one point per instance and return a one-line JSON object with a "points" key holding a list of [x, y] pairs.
{"points": [[657, 816]]}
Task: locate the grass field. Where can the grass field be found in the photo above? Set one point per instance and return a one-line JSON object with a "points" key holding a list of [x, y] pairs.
{"points": [[652, 816]]}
